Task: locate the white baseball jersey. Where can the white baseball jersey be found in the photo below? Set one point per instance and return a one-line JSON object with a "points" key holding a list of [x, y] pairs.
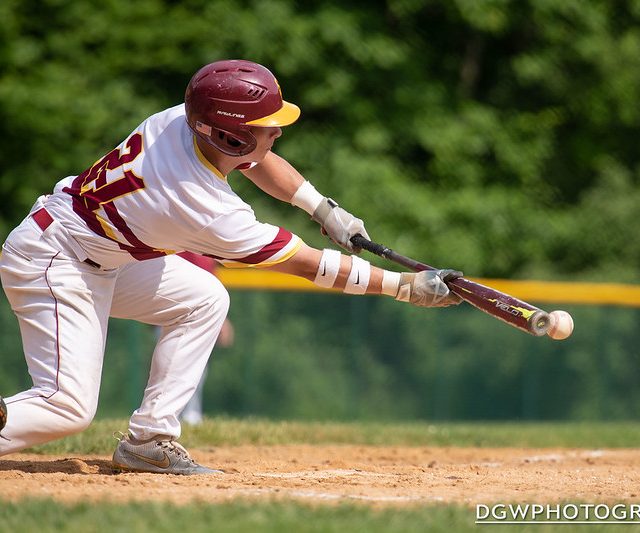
{"points": [[156, 194], [153, 195]]}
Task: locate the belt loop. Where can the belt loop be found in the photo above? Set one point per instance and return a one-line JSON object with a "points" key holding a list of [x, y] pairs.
{"points": [[92, 263]]}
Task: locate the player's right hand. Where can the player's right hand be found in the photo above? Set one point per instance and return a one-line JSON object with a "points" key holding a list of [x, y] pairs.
{"points": [[339, 225], [428, 288]]}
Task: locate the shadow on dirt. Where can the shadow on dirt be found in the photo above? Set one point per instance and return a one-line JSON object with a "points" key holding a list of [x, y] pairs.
{"points": [[59, 466]]}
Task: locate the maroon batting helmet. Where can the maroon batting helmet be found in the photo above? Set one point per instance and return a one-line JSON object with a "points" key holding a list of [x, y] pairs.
{"points": [[224, 99]]}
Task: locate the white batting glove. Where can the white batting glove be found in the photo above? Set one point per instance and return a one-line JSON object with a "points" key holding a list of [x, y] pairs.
{"points": [[339, 225], [428, 288]]}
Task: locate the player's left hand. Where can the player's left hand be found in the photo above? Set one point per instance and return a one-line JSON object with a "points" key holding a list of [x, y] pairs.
{"points": [[339, 225], [428, 288]]}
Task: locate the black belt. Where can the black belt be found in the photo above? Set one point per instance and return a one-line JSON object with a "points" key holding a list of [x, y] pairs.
{"points": [[44, 220]]}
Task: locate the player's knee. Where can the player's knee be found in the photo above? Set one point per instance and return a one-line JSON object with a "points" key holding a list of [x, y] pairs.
{"points": [[79, 421], [225, 301], [83, 418], [215, 290], [77, 415], [216, 299]]}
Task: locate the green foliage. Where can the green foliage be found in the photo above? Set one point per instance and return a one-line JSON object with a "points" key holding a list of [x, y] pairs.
{"points": [[494, 136]]}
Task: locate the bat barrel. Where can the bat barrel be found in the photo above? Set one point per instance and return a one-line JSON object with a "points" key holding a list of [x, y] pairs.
{"points": [[505, 307]]}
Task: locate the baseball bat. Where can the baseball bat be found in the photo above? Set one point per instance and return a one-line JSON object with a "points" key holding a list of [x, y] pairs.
{"points": [[509, 309]]}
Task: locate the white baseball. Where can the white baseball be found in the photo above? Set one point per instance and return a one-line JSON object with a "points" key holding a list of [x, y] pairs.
{"points": [[561, 325]]}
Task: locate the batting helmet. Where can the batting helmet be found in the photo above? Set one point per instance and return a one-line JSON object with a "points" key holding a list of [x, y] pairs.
{"points": [[224, 99]]}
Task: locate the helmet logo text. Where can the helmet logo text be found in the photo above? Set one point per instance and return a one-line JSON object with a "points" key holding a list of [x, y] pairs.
{"points": [[232, 115]]}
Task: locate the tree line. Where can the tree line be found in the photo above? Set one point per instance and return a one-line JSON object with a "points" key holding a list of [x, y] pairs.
{"points": [[494, 136]]}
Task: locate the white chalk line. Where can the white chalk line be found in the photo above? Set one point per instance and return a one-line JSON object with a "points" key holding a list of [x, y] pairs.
{"points": [[321, 474], [316, 495], [557, 457], [541, 458]]}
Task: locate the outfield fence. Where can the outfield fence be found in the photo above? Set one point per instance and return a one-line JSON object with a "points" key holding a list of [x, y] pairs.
{"points": [[305, 353]]}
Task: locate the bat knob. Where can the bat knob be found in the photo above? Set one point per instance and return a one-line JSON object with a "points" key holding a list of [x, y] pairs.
{"points": [[539, 323]]}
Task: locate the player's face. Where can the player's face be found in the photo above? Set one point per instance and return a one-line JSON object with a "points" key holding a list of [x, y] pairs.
{"points": [[265, 138]]}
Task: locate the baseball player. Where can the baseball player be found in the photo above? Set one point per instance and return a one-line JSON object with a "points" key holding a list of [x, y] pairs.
{"points": [[104, 243]]}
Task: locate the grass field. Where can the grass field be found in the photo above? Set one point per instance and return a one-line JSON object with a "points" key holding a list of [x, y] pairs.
{"points": [[279, 516], [234, 432], [45, 516], [49, 516]]}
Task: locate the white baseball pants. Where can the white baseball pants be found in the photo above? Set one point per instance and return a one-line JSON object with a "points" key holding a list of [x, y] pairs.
{"points": [[63, 306]]}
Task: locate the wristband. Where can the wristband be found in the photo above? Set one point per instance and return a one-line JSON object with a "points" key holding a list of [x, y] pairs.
{"points": [[307, 198], [328, 268], [390, 283], [358, 279], [405, 287]]}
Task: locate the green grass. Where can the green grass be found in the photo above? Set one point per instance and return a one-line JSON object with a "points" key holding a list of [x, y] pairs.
{"points": [[48, 516], [230, 432]]}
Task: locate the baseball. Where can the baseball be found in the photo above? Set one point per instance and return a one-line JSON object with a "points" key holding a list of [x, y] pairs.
{"points": [[561, 325]]}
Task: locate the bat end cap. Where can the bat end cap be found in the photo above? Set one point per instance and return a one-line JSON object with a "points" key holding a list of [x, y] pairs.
{"points": [[539, 323]]}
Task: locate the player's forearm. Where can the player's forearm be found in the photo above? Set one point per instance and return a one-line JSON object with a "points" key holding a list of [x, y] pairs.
{"points": [[276, 177], [331, 269]]}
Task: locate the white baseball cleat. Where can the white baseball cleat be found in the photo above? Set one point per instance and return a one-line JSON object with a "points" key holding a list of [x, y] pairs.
{"points": [[155, 456]]}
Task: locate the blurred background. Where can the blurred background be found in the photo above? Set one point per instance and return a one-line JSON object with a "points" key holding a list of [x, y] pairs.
{"points": [[493, 136]]}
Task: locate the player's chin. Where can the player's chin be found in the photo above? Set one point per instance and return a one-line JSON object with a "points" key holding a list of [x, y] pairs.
{"points": [[259, 156], [255, 159]]}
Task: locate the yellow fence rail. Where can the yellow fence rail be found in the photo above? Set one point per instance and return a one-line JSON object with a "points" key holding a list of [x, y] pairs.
{"points": [[535, 291]]}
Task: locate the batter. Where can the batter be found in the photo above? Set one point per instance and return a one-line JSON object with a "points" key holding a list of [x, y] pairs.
{"points": [[104, 244]]}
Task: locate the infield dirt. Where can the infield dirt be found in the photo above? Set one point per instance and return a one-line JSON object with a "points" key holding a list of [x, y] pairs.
{"points": [[380, 476]]}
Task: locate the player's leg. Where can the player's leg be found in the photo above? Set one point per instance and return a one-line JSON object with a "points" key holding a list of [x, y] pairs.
{"points": [[62, 308], [190, 306], [192, 413]]}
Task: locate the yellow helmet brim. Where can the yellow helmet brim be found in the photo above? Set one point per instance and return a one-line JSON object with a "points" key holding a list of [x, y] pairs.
{"points": [[285, 116]]}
